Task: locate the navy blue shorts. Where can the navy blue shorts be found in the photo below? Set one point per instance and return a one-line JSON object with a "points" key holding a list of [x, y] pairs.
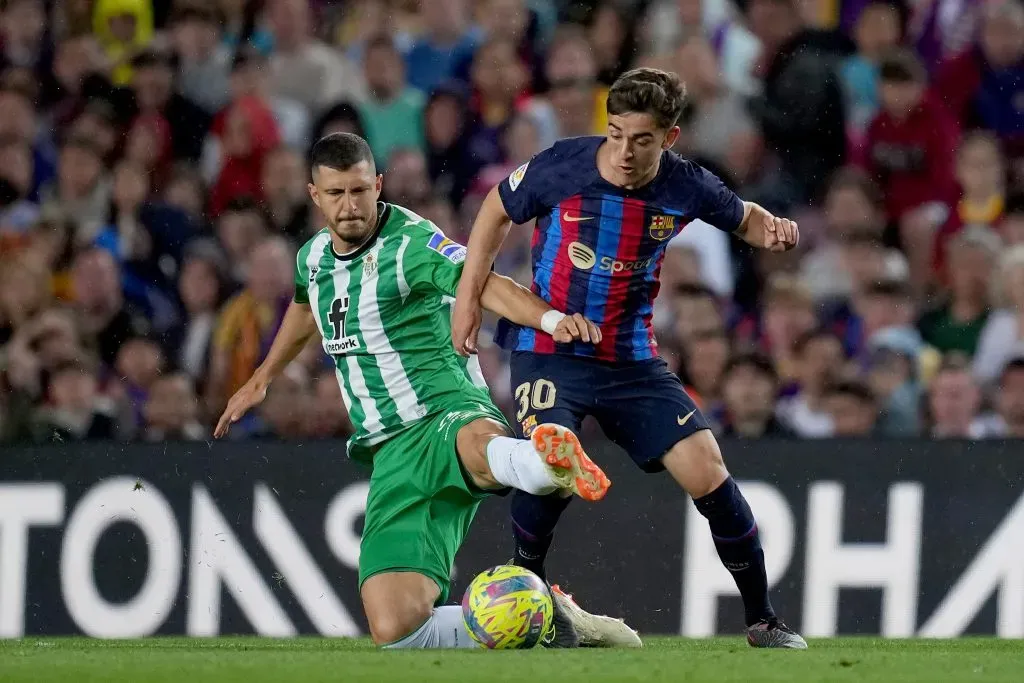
{"points": [[641, 405]]}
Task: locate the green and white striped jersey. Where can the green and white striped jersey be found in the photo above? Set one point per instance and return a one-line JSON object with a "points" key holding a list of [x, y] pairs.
{"points": [[384, 312]]}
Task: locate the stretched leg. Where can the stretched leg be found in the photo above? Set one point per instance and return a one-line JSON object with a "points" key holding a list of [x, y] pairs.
{"points": [[648, 413], [401, 612], [551, 460], [696, 463]]}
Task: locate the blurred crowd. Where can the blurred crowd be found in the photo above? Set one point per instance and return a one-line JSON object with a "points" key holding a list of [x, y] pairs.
{"points": [[153, 193]]}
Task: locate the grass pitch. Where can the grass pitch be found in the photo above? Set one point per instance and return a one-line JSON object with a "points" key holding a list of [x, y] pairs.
{"points": [[315, 660]]}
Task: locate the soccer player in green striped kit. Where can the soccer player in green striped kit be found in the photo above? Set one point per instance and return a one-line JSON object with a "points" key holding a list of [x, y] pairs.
{"points": [[377, 285]]}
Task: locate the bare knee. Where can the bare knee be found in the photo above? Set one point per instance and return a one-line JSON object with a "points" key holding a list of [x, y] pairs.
{"points": [[397, 603], [471, 444], [392, 626], [696, 463]]}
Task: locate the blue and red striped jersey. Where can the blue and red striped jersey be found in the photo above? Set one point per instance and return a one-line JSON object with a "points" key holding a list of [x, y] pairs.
{"points": [[597, 248]]}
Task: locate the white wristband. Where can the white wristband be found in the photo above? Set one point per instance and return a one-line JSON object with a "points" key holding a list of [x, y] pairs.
{"points": [[549, 321]]}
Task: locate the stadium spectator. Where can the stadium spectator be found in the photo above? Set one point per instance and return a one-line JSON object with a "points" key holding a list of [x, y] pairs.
{"points": [[982, 85], [957, 324], [407, 182], [303, 69], [393, 112], [819, 361], [249, 320], [703, 366], [575, 101], [1009, 400], [909, 150], [720, 124], [76, 410], [446, 43], [981, 173], [172, 410], [852, 407], [876, 32], [749, 385], [81, 191], [954, 403], [1001, 338], [140, 361], [801, 110], [283, 186], [736, 48], [201, 288], [849, 254], [286, 411], [446, 120], [204, 63], [104, 314], [153, 86], [499, 81], [123, 27], [892, 374]]}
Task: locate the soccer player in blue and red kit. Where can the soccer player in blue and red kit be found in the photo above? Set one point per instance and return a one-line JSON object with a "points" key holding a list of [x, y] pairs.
{"points": [[606, 207]]}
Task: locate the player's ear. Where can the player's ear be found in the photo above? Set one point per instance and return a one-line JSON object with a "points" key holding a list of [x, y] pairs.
{"points": [[313, 194], [671, 137], [379, 184]]}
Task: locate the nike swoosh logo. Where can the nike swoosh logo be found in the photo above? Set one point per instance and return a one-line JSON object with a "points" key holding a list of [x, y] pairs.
{"points": [[684, 420], [575, 219]]}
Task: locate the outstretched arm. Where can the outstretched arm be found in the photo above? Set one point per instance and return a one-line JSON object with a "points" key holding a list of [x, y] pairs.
{"points": [[489, 231], [297, 328], [512, 301], [761, 229]]}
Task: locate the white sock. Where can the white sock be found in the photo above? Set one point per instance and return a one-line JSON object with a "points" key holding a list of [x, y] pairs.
{"points": [[446, 628], [516, 463]]}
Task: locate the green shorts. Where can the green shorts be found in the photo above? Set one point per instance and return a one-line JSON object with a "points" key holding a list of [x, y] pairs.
{"points": [[421, 501]]}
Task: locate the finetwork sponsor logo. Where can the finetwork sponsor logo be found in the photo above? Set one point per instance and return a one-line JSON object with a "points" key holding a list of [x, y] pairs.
{"points": [[341, 346]]}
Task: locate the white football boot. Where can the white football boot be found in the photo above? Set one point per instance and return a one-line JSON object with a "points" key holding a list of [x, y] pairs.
{"points": [[594, 630]]}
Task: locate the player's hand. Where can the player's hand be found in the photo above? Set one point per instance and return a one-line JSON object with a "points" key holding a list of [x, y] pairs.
{"points": [[575, 326], [780, 234], [251, 394], [466, 318]]}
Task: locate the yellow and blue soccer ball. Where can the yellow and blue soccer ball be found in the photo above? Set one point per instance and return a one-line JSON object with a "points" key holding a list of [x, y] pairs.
{"points": [[507, 608]]}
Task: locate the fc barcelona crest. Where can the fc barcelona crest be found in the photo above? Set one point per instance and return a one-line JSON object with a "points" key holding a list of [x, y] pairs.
{"points": [[662, 227]]}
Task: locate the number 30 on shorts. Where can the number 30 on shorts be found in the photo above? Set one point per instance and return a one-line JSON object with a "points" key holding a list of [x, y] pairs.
{"points": [[539, 395]]}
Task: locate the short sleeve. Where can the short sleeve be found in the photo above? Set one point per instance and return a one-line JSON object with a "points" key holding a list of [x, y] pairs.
{"points": [[523, 191], [717, 205], [432, 263], [301, 281]]}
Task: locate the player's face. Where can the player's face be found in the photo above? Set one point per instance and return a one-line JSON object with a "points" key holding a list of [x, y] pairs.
{"points": [[348, 199], [635, 143]]}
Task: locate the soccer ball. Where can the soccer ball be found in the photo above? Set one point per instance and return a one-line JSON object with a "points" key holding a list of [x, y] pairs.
{"points": [[507, 607]]}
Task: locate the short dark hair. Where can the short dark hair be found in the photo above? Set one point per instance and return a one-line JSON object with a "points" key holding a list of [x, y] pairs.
{"points": [[1012, 365], [891, 288], [813, 335], [1014, 204], [340, 151], [758, 361], [694, 290], [649, 91], [901, 66], [854, 388], [853, 178]]}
